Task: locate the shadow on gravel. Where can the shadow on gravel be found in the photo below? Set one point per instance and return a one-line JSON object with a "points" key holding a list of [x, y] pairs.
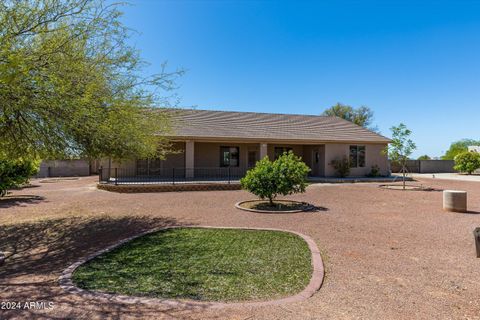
{"points": [[51, 245], [37, 252], [317, 209], [19, 200]]}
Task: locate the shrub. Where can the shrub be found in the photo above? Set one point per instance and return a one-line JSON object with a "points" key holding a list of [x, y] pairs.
{"points": [[374, 172], [14, 173], [341, 166], [284, 176], [467, 162], [458, 147]]}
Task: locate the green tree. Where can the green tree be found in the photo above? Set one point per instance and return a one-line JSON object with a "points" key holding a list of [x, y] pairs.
{"points": [[71, 85], [284, 176], [458, 147], [467, 162], [14, 173], [362, 116], [401, 147], [424, 157]]}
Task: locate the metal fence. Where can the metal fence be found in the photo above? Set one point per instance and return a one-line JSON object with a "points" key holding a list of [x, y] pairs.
{"points": [[170, 175]]}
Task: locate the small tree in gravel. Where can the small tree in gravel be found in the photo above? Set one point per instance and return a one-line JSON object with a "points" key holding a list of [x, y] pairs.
{"points": [[467, 162], [401, 147], [284, 176]]}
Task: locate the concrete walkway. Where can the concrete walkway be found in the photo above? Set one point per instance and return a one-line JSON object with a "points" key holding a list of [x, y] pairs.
{"points": [[446, 176]]}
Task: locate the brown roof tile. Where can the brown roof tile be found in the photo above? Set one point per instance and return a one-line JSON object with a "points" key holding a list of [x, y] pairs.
{"points": [[207, 124]]}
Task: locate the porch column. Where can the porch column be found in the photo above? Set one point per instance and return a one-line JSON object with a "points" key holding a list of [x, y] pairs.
{"points": [[189, 158], [263, 150]]}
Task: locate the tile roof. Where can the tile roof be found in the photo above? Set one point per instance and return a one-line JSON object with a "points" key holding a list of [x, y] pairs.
{"points": [[208, 124]]}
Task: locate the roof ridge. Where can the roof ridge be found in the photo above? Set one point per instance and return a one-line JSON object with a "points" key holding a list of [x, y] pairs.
{"points": [[256, 112]]}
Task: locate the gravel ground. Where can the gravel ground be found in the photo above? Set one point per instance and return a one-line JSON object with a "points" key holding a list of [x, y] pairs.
{"points": [[388, 254]]}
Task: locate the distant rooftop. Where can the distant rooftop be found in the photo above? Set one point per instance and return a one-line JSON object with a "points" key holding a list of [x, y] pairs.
{"points": [[208, 124]]}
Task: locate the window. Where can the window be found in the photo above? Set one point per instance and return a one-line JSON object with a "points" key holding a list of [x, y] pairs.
{"points": [[281, 150], [357, 156], [229, 157]]}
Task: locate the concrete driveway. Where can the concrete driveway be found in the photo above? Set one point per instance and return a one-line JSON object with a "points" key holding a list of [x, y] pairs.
{"points": [[446, 176]]}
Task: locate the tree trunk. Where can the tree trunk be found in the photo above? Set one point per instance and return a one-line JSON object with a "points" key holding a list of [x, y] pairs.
{"points": [[270, 200]]}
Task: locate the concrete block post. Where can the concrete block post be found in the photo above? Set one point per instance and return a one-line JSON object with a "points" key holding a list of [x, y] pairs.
{"points": [[189, 159], [455, 200], [263, 150]]}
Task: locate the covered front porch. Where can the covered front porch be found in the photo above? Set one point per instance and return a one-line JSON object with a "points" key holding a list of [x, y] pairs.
{"points": [[227, 161], [197, 159]]}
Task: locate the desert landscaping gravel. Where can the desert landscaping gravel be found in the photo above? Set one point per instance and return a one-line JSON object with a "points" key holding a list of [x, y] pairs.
{"points": [[388, 254]]}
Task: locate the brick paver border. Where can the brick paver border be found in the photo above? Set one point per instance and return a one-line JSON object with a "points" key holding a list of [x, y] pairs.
{"points": [[142, 188], [307, 207], [65, 279]]}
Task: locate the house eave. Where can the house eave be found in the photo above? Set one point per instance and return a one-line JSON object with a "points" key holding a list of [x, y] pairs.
{"points": [[273, 140]]}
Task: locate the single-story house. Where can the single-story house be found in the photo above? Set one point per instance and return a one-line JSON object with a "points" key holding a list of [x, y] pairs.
{"points": [[208, 141], [474, 149]]}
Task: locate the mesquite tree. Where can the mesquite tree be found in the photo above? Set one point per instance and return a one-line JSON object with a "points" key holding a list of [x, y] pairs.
{"points": [[71, 85], [362, 116]]}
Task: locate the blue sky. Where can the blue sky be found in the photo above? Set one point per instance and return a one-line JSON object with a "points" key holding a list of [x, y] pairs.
{"points": [[416, 62]]}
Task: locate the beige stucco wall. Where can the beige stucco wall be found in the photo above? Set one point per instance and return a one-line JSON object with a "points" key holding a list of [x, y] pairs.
{"points": [[63, 168], [373, 156], [207, 155]]}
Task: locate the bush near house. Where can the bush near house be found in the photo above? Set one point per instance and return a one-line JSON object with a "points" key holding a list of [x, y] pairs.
{"points": [[374, 172], [14, 173], [284, 176], [341, 166], [467, 162]]}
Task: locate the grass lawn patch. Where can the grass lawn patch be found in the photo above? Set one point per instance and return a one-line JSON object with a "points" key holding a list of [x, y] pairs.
{"points": [[203, 264]]}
